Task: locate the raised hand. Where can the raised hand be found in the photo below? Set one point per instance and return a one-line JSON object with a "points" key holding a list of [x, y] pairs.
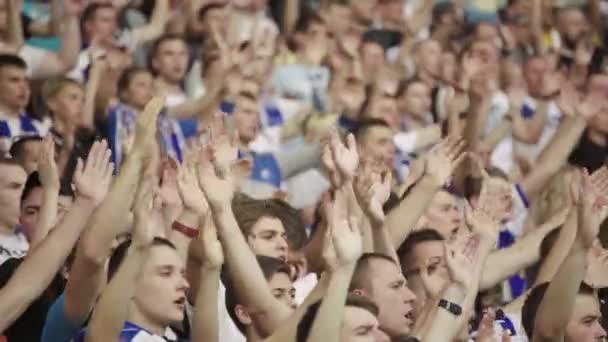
{"points": [[568, 99], [47, 167], [218, 187], [461, 258], [190, 190], [327, 159], [346, 158], [143, 233], [145, 124], [92, 179], [597, 271], [482, 220], [372, 191], [444, 159], [224, 149], [345, 234], [169, 192], [590, 106], [592, 209], [432, 287]]}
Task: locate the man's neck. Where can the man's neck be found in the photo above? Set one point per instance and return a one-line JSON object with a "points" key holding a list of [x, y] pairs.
{"points": [[252, 335], [597, 138], [140, 320], [165, 87], [8, 112]]}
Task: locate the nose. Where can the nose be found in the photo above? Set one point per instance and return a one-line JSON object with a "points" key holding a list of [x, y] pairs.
{"points": [[409, 295], [184, 285], [282, 244]]}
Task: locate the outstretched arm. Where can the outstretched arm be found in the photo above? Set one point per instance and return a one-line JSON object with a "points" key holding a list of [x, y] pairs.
{"points": [[156, 26], [36, 272], [251, 286], [88, 271], [557, 305], [113, 306], [440, 163], [49, 177]]}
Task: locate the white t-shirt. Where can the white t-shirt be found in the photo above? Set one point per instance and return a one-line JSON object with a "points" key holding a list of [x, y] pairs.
{"points": [[34, 58], [13, 246], [532, 151]]}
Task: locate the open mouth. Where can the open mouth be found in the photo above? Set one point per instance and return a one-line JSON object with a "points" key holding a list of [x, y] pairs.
{"points": [[181, 302], [410, 317]]}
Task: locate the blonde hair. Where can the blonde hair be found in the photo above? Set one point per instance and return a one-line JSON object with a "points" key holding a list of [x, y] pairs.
{"points": [[54, 86]]}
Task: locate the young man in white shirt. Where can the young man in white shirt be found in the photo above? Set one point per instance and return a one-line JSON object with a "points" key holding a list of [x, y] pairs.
{"points": [[13, 244]]}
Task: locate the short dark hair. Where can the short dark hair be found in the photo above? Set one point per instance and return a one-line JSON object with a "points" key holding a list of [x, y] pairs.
{"points": [[158, 43], [357, 301], [248, 211], [269, 266], [415, 238], [11, 60], [363, 126], [359, 279], [121, 250], [205, 9], [32, 182], [17, 148], [535, 298]]}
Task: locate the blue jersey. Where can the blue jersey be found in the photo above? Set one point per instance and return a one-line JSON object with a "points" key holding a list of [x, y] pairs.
{"points": [[130, 333], [21, 126]]}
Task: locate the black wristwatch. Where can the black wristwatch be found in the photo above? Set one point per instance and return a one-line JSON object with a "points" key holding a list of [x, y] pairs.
{"points": [[452, 308]]}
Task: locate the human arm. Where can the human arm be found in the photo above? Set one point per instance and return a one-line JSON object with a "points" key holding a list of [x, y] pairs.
{"points": [[88, 271], [414, 141], [557, 305], [206, 321], [112, 308], [57, 63], [524, 253], [555, 154], [156, 27], [439, 165], [251, 287], [98, 69], [37, 271], [49, 178], [14, 37], [344, 246]]}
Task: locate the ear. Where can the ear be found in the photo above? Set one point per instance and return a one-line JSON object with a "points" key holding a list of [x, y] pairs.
{"points": [[359, 292], [242, 314]]}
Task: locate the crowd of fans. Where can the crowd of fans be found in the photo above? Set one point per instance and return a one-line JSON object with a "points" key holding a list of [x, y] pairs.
{"points": [[306, 171]]}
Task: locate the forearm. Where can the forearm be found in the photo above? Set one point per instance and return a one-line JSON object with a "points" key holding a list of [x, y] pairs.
{"points": [[156, 26], [245, 273], [382, 241], [560, 250], [403, 219], [88, 117], [181, 241], [40, 267], [206, 321], [554, 156], [503, 263], [326, 326], [47, 216], [558, 302], [445, 324], [14, 25], [492, 139], [113, 306], [529, 131], [70, 42]]}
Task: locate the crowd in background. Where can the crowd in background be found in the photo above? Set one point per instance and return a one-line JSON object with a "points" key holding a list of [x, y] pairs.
{"points": [[303, 170]]}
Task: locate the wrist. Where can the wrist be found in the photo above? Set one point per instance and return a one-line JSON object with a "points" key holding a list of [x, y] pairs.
{"points": [[84, 202], [455, 293], [190, 231]]}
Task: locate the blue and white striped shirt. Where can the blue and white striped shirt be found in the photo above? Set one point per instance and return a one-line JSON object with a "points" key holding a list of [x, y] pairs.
{"points": [[12, 128]]}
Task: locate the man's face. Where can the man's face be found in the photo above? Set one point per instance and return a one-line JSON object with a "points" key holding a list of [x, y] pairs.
{"points": [[584, 324], [535, 71], [102, 26], [14, 88], [388, 289], [486, 53], [486, 32], [68, 104], [444, 215], [246, 119], [30, 209], [282, 289], [140, 90], [385, 108], [428, 56], [572, 24], [11, 186], [171, 60], [161, 288], [268, 238], [377, 145], [417, 100], [372, 57], [429, 255], [391, 11], [360, 325]]}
